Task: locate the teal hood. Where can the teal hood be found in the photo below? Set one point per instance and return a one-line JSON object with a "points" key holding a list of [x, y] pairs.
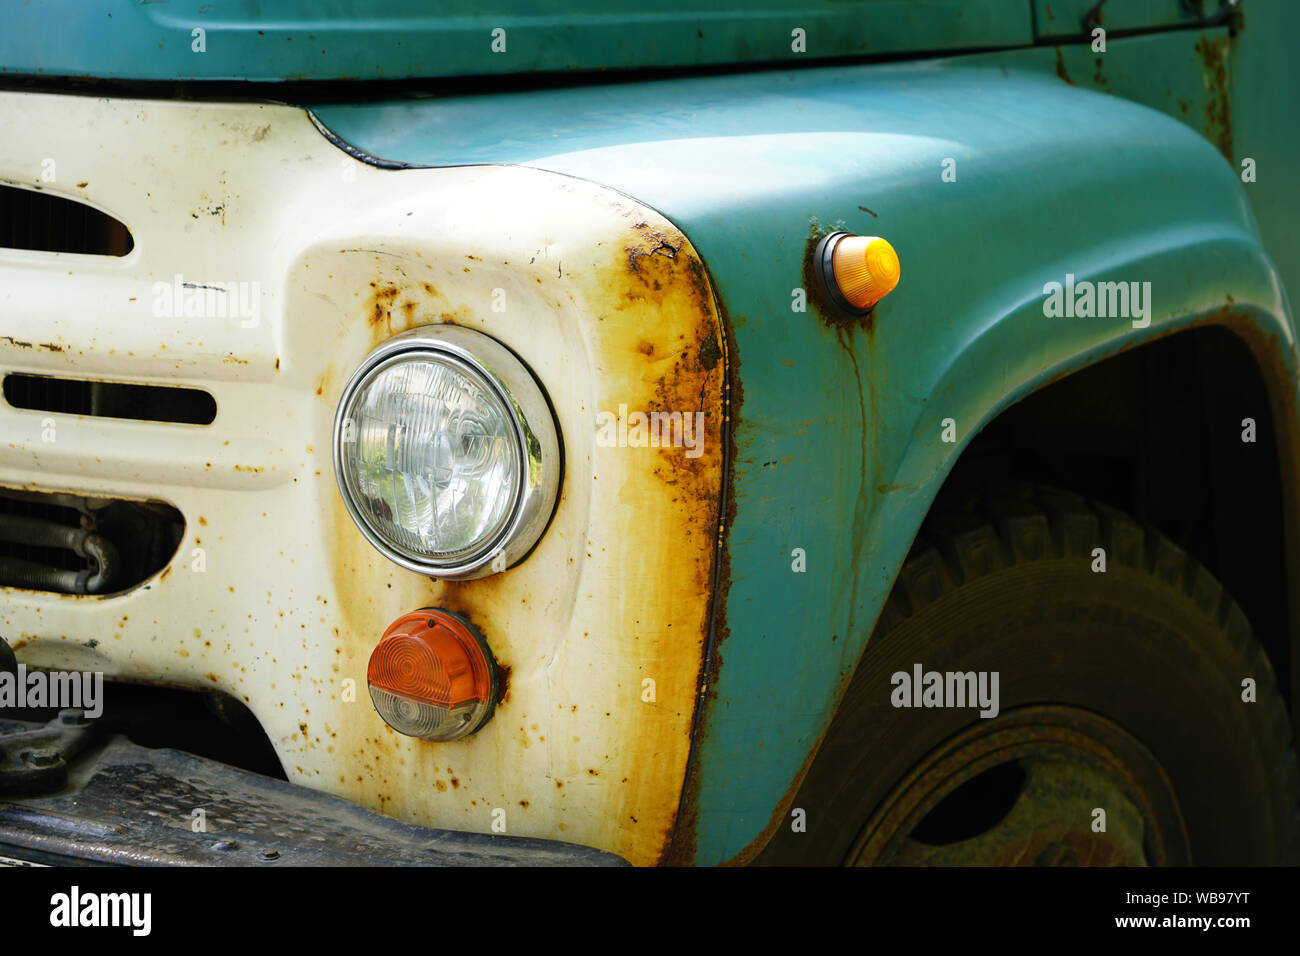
{"points": [[281, 40]]}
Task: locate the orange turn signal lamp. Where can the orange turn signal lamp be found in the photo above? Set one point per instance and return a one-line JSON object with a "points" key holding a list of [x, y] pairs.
{"points": [[432, 676], [856, 272]]}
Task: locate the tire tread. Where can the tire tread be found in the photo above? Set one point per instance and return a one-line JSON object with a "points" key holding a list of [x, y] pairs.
{"points": [[966, 539]]}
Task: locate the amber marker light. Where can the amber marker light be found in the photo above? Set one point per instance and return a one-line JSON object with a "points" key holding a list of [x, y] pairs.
{"points": [[856, 272], [432, 676]]}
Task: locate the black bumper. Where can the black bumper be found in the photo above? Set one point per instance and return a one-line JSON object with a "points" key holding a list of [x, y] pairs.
{"points": [[121, 804]]}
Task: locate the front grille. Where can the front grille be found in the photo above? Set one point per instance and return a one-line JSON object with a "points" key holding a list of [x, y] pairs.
{"points": [[42, 222], [44, 511], [74, 545]]}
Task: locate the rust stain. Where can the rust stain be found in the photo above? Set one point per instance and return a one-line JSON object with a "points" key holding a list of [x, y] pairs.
{"points": [[392, 306], [1213, 54], [380, 312], [688, 375], [817, 303], [698, 371], [1060, 67], [692, 370], [503, 685], [1098, 77], [649, 319], [396, 305], [682, 849], [1093, 18]]}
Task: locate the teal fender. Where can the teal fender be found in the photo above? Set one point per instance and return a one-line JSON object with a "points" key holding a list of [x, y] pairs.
{"points": [[838, 430]]}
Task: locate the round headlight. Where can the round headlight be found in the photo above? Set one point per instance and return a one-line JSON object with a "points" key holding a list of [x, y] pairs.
{"points": [[446, 452]]}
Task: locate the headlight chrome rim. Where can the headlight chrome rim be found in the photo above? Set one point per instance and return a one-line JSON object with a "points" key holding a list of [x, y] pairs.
{"points": [[533, 432]]}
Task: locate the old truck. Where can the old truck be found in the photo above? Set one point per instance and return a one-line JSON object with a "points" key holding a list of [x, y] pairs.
{"points": [[710, 433]]}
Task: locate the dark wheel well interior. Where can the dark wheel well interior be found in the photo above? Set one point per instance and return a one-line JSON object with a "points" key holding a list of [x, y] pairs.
{"points": [[1157, 431]]}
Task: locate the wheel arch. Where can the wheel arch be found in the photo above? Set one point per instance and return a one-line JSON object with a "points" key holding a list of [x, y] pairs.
{"points": [[1246, 365], [1242, 299]]}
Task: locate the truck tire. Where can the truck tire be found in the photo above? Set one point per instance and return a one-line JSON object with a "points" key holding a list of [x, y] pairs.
{"points": [[1138, 720]]}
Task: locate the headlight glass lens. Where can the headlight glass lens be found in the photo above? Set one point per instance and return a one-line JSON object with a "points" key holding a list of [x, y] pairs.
{"points": [[430, 454]]}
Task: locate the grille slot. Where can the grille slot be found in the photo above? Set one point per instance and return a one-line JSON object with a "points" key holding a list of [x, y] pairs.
{"points": [[74, 545], [147, 403], [41, 222]]}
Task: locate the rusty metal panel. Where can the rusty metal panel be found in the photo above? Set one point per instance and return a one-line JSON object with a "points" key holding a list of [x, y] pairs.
{"points": [[275, 596]]}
